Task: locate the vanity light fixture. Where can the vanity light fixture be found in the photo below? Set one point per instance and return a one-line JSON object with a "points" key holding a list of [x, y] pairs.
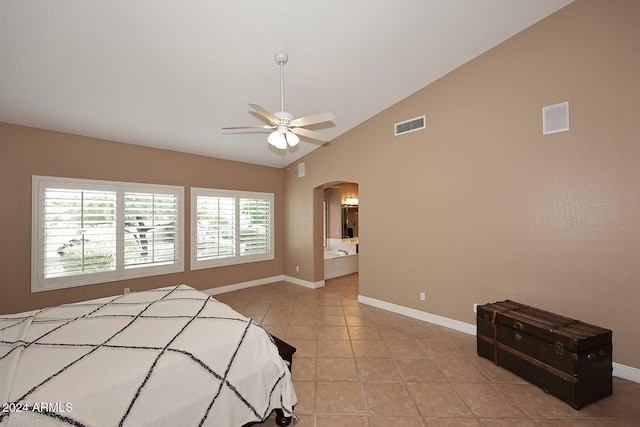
{"points": [[351, 201]]}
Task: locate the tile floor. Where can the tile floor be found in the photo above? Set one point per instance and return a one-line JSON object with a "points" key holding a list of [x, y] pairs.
{"points": [[357, 365]]}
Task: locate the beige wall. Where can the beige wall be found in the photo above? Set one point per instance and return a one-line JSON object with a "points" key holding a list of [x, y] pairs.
{"points": [[26, 151], [492, 208]]}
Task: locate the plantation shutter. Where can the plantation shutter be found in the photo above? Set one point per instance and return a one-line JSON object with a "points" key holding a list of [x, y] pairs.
{"points": [[78, 231], [215, 227], [90, 231], [150, 229], [255, 226], [230, 227]]}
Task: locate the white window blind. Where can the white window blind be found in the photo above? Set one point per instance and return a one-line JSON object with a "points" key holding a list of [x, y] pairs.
{"points": [[150, 229], [79, 231], [87, 231], [255, 226], [215, 224], [230, 227]]}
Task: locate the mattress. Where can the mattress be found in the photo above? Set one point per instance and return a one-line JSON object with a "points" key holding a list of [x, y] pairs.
{"points": [[171, 356]]}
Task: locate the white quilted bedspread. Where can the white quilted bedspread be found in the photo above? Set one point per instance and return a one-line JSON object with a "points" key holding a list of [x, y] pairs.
{"points": [[172, 356]]}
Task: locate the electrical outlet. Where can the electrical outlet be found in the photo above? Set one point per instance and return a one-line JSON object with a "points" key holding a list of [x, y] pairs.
{"points": [[126, 290], [297, 268], [423, 296], [475, 307]]}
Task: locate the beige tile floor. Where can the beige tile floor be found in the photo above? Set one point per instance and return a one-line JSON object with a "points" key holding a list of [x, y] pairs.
{"points": [[356, 365]]}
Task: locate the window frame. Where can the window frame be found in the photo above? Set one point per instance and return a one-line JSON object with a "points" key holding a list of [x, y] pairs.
{"points": [[40, 183], [237, 258]]}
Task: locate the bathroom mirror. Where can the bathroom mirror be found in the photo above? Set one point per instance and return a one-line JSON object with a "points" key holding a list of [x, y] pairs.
{"points": [[349, 222]]}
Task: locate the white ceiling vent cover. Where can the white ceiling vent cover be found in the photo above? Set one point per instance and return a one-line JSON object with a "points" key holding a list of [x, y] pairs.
{"points": [[555, 118], [410, 125]]}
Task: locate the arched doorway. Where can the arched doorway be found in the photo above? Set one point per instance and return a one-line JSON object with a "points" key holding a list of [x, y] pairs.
{"points": [[340, 239]]}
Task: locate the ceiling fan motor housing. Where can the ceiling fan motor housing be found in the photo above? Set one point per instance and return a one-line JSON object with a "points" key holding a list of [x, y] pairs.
{"points": [[284, 117]]}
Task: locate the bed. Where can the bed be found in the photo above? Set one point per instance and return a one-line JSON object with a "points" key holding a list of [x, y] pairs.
{"points": [[171, 356]]}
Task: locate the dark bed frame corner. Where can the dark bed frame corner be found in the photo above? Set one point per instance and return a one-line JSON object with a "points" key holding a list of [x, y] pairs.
{"points": [[281, 419], [286, 352]]}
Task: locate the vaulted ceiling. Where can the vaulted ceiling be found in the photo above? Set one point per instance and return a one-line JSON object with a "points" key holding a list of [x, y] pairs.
{"points": [[171, 74]]}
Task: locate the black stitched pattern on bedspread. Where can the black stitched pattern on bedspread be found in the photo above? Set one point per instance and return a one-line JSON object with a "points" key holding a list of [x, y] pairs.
{"points": [[160, 357]]}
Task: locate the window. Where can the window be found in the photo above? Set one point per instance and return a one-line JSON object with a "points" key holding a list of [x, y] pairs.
{"points": [[230, 227], [86, 232]]}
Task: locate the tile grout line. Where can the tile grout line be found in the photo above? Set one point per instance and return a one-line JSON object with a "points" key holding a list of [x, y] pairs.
{"points": [[475, 416], [362, 392]]}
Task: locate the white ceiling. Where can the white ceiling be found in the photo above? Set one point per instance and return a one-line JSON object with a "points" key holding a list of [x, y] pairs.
{"points": [[171, 74]]}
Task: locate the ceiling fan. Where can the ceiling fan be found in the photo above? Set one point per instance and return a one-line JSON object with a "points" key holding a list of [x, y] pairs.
{"points": [[286, 127]]}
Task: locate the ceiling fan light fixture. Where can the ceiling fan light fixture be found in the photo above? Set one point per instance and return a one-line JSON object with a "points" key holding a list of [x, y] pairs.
{"points": [[281, 139], [292, 139], [278, 140]]}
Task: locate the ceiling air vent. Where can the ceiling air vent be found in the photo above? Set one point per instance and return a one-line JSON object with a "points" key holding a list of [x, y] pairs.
{"points": [[410, 125]]}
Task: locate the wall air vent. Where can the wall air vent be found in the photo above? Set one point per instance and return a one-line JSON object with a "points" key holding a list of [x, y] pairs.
{"points": [[410, 125], [555, 118]]}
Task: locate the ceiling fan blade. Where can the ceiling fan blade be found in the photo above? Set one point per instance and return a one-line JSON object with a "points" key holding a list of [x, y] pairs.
{"points": [[313, 119], [250, 127], [264, 113], [310, 134]]}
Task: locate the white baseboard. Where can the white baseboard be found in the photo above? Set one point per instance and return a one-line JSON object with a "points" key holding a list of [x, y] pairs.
{"points": [[305, 283], [467, 328], [243, 285], [264, 281], [619, 370], [627, 372]]}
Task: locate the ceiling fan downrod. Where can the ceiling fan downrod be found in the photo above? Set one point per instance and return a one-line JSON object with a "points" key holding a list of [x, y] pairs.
{"points": [[281, 58]]}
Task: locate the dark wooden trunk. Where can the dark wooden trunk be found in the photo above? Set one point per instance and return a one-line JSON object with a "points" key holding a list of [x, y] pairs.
{"points": [[567, 358]]}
